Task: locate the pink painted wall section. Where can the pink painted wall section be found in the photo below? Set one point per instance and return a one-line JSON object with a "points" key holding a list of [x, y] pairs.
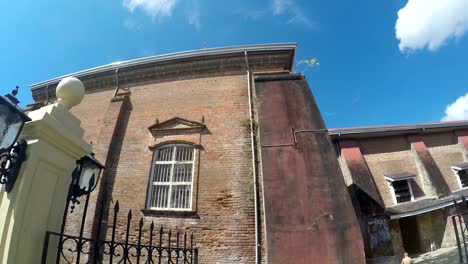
{"points": [[430, 165], [359, 170]]}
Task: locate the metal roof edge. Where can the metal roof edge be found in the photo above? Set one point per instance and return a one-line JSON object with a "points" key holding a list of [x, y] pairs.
{"points": [[173, 56], [460, 166], [400, 179], [396, 128], [424, 210], [443, 204]]}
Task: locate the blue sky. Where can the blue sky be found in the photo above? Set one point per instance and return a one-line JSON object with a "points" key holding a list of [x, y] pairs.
{"points": [[381, 62]]}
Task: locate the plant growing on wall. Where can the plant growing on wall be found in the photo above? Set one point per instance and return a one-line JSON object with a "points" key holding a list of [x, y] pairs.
{"points": [[306, 64]]}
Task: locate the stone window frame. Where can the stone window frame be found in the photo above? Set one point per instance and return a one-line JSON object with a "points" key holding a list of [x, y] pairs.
{"points": [[175, 130], [390, 182], [456, 169], [194, 191]]}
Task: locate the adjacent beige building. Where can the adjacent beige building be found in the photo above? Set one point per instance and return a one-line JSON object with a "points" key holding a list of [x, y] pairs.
{"points": [[403, 181]]}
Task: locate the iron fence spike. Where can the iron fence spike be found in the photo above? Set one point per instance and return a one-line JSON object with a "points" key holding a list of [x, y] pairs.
{"points": [[122, 250]]}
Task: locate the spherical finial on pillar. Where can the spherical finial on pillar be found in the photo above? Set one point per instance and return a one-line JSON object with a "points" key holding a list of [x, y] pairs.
{"points": [[70, 91]]}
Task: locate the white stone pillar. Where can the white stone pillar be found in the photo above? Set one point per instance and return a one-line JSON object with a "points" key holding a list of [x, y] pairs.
{"points": [[37, 201]]}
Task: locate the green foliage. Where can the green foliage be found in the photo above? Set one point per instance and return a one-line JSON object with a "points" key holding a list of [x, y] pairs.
{"points": [[306, 64], [312, 62], [246, 125]]}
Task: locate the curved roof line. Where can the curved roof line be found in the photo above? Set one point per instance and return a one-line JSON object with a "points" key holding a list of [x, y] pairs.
{"points": [[171, 56]]}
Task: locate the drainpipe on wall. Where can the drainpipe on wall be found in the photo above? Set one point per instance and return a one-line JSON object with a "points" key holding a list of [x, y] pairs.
{"points": [[116, 82], [254, 170]]}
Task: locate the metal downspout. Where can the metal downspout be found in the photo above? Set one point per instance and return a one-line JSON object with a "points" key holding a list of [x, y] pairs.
{"points": [[254, 169], [116, 82]]}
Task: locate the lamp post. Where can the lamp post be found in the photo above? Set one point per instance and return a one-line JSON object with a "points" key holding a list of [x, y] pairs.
{"points": [[85, 177], [12, 153]]}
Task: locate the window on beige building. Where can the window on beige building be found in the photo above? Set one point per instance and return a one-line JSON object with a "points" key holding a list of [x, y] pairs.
{"points": [[402, 190], [400, 186], [461, 172], [171, 184]]}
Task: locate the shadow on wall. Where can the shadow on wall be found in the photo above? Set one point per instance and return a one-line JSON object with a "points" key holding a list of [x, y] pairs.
{"points": [[417, 191], [112, 162]]}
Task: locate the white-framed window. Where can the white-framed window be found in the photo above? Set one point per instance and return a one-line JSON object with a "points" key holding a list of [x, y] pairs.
{"points": [[402, 191], [400, 187], [461, 172], [171, 184]]}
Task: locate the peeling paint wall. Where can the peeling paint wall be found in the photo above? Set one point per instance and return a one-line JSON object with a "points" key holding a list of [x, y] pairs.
{"points": [[308, 211]]}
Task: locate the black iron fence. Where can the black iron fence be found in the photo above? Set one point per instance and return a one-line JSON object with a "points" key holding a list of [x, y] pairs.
{"points": [[459, 222], [154, 246], [160, 246]]}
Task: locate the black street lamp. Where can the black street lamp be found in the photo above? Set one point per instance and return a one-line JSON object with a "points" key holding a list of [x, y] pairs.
{"points": [[12, 153], [85, 177]]}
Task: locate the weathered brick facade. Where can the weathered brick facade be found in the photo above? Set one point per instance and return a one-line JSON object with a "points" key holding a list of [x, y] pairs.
{"points": [[210, 89], [223, 221]]}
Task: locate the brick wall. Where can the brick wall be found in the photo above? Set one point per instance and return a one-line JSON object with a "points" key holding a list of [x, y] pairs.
{"points": [[223, 224]]}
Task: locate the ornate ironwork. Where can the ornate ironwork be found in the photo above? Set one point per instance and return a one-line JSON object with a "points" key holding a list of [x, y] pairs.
{"points": [[12, 95], [10, 164], [156, 247]]}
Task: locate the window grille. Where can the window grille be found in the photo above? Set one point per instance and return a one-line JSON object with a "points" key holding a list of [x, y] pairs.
{"points": [[172, 178], [402, 191]]}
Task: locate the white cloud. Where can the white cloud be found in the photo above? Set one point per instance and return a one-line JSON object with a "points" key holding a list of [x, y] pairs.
{"points": [[288, 7], [430, 23], [280, 6], [131, 24], [299, 18], [250, 13], [154, 8], [194, 16], [458, 110]]}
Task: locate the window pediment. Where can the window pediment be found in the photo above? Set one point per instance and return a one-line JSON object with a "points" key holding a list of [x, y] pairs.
{"points": [[176, 126]]}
